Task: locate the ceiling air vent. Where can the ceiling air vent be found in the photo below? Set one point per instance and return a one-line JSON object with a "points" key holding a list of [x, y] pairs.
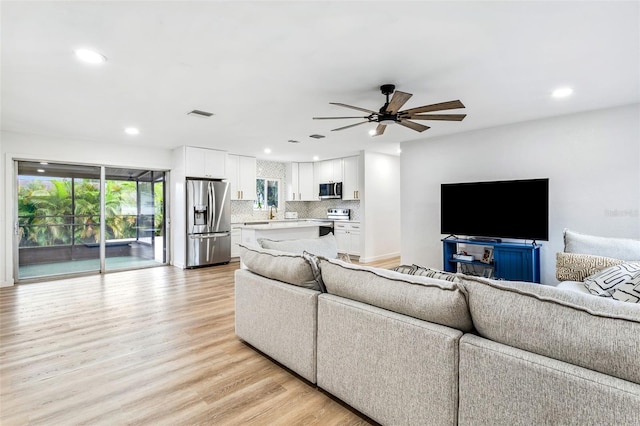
{"points": [[198, 113], [293, 141], [316, 136]]}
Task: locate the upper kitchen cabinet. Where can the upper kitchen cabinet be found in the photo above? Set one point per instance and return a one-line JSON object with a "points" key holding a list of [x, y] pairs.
{"points": [[351, 179], [300, 183], [328, 171], [204, 163], [241, 173]]}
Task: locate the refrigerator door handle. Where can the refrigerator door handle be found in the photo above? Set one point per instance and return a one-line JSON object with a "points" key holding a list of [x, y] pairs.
{"points": [[212, 205], [206, 236]]}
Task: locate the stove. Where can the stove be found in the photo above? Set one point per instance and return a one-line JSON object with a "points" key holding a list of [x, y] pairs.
{"points": [[338, 214]]}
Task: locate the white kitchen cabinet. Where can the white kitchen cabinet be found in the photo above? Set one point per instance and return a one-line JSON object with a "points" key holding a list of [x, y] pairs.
{"points": [[300, 184], [347, 237], [328, 171], [204, 163], [308, 191], [351, 178], [241, 173]]}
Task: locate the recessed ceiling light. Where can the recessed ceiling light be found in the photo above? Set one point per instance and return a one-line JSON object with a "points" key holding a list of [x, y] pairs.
{"points": [[562, 92], [90, 57], [40, 170], [44, 163], [316, 158], [131, 131], [399, 150], [372, 132], [267, 150]]}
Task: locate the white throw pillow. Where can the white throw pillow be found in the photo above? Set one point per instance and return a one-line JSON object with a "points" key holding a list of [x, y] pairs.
{"points": [[622, 279], [325, 246]]}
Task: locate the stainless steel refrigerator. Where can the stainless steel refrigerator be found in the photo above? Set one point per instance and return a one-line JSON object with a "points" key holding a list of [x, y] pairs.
{"points": [[208, 222]]}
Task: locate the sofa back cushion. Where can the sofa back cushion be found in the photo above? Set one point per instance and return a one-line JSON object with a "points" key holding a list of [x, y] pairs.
{"points": [[595, 333], [282, 266], [325, 246], [617, 248], [438, 301]]}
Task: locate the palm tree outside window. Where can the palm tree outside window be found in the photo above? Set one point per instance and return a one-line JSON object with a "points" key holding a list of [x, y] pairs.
{"points": [[267, 193]]}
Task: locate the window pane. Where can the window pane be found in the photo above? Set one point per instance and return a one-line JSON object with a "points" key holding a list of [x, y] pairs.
{"points": [[272, 193], [260, 195]]}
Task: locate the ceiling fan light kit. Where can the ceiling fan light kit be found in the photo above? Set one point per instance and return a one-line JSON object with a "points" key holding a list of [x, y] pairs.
{"points": [[390, 112]]}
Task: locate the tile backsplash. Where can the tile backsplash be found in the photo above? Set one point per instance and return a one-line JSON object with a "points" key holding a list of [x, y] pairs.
{"points": [[242, 210]]}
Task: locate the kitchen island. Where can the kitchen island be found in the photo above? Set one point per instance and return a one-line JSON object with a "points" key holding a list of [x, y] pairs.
{"points": [[280, 230]]}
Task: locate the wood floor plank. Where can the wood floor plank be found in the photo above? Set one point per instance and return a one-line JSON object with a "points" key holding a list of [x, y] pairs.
{"points": [[146, 347]]}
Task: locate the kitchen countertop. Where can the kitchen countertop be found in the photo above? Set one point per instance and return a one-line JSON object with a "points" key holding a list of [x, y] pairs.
{"points": [[286, 221]]}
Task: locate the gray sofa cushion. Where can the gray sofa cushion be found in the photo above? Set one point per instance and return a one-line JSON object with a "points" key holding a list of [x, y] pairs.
{"points": [[396, 369], [596, 333], [325, 246], [429, 299], [502, 385], [617, 248], [278, 319], [287, 267]]}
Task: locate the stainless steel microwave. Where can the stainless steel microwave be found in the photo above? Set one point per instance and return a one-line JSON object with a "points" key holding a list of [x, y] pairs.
{"points": [[330, 190]]}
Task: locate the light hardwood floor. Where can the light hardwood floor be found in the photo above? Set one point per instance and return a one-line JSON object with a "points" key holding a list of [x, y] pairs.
{"points": [[147, 347]]}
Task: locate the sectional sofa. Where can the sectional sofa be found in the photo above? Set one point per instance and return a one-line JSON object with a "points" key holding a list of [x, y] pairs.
{"points": [[451, 350]]}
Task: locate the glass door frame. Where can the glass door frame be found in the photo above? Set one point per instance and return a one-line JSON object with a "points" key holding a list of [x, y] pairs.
{"points": [[103, 235]]}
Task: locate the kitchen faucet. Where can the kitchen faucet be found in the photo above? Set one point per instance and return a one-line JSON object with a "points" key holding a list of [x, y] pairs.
{"points": [[271, 215]]}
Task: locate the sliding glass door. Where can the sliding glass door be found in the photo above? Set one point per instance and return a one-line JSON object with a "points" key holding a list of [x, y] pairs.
{"points": [[59, 219], [134, 214]]}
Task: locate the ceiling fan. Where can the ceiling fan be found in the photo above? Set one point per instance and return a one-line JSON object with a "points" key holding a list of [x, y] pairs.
{"points": [[390, 114]]}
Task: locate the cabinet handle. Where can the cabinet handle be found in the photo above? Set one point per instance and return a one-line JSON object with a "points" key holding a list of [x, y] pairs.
{"points": [[294, 196], [242, 195]]}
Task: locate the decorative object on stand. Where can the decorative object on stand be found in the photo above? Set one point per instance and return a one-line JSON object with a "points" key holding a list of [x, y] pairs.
{"points": [[487, 256], [389, 113]]}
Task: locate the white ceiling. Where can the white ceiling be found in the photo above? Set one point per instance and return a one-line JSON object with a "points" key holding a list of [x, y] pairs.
{"points": [[266, 68]]}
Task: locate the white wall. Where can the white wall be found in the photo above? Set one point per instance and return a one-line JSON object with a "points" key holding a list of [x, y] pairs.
{"points": [[379, 208], [17, 146], [592, 161]]}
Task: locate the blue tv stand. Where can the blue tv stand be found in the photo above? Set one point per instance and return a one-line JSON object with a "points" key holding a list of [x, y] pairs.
{"points": [[511, 261]]}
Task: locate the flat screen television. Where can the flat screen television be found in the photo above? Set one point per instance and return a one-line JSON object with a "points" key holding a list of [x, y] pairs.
{"points": [[517, 209]]}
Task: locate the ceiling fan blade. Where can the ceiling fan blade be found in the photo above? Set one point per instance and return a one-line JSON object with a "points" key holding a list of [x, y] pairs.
{"points": [[351, 125], [433, 107], [334, 118], [399, 98], [414, 126], [445, 117], [380, 129], [353, 107]]}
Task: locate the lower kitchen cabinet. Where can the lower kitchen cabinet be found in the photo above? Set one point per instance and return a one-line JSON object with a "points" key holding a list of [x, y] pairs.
{"points": [[235, 242], [347, 237]]}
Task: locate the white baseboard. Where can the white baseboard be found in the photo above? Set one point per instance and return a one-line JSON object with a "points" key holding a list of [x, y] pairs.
{"points": [[379, 257], [6, 283]]}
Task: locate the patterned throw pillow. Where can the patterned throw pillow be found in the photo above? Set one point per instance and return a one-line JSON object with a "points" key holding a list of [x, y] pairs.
{"points": [[426, 272], [315, 268], [434, 273], [629, 291], [622, 280], [405, 269], [577, 267]]}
